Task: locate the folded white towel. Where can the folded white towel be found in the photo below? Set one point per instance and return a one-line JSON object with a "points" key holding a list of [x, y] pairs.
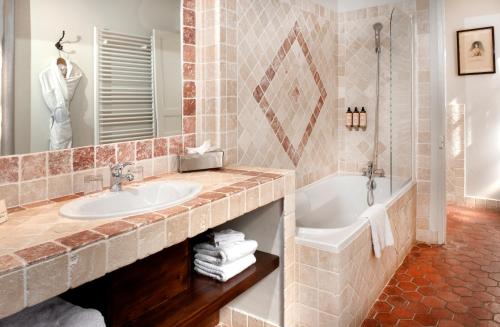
{"points": [[380, 227], [55, 312], [225, 272], [226, 237], [226, 253]]}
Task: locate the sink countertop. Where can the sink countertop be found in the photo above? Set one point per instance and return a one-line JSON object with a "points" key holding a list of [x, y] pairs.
{"points": [[43, 254]]}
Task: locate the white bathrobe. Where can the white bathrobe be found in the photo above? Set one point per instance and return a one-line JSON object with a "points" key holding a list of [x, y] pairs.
{"points": [[57, 91]]}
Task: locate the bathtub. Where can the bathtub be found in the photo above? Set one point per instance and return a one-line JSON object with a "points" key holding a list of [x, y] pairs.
{"points": [[338, 274], [328, 212]]}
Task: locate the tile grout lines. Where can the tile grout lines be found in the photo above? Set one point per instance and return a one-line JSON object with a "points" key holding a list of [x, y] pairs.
{"points": [[260, 94]]}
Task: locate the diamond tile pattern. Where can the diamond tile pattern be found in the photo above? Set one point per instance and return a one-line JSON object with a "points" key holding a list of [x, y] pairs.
{"points": [[268, 38], [457, 284], [290, 112]]}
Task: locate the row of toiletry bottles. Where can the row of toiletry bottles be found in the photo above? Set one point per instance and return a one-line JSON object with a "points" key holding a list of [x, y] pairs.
{"points": [[356, 118]]}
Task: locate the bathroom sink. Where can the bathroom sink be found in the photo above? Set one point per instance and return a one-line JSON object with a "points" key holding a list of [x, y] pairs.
{"points": [[133, 200]]}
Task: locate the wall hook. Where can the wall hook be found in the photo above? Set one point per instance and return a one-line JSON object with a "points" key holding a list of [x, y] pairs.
{"points": [[58, 43]]}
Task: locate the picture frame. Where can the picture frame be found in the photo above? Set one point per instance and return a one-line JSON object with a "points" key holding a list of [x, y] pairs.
{"points": [[476, 51]]}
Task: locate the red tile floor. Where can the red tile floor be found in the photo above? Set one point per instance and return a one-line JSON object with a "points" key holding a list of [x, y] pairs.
{"points": [[457, 284]]}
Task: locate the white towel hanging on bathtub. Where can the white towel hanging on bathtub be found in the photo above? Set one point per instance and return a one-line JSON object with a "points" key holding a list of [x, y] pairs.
{"points": [[381, 228]]}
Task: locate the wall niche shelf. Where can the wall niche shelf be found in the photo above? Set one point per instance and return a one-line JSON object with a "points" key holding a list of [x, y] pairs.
{"points": [[163, 290]]}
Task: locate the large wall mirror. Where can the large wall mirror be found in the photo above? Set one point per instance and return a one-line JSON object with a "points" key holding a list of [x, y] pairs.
{"points": [[115, 76]]}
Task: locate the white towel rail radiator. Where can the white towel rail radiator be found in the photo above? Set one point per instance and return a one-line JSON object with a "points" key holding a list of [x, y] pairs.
{"points": [[124, 106]]}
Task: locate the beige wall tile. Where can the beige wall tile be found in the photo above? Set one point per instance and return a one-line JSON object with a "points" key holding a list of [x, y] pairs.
{"points": [[199, 220], [10, 193], [237, 205], [60, 186], [33, 191], [177, 228], [87, 264], [47, 279], [219, 212], [308, 317], [12, 295], [152, 238], [122, 250], [239, 319], [252, 199], [266, 193]]}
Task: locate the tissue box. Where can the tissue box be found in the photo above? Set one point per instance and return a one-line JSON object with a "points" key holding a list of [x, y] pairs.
{"points": [[208, 160]]}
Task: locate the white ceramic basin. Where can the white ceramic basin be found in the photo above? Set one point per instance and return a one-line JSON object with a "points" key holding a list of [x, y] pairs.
{"points": [[133, 200]]}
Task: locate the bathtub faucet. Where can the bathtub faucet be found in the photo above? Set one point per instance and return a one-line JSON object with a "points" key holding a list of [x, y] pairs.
{"points": [[371, 171]]}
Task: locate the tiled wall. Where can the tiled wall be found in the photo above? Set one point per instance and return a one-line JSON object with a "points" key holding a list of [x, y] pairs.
{"points": [[423, 135], [356, 81], [41, 176], [230, 317], [338, 289], [357, 73], [455, 162], [217, 75], [287, 88], [189, 63]]}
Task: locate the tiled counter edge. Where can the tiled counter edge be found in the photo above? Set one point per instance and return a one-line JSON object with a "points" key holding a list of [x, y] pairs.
{"points": [[32, 275]]}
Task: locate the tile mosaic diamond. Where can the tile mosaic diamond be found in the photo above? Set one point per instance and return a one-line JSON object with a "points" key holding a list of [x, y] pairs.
{"points": [[289, 110]]}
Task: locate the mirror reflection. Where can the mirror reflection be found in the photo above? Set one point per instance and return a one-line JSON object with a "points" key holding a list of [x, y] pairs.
{"points": [[95, 72]]}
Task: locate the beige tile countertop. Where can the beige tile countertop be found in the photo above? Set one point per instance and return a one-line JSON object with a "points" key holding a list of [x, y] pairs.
{"points": [[43, 254]]}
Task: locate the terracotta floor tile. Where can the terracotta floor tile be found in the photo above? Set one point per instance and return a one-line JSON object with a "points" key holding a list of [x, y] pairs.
{"points": [[426, 319], [381, 306], [481, 313], [408, 286], [449, 323], [433, 302], [462, 291], [397, 301], [402, 313], [418, 307], [386, 318], [494, 290], [466, 319], [370, 323], [495, 276], [412, 296], [409, 323], [471, 302], [494, 307], [427, 290], [441, 314], [488, 323], [454, 285], [457, 307]]}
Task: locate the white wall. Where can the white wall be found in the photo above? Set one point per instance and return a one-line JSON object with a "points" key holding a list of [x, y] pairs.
{"points": [[39, 24], [481, 97], [348, 5]]}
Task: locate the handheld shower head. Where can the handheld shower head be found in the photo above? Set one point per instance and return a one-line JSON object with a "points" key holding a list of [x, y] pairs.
{"points": [[377, 27]]}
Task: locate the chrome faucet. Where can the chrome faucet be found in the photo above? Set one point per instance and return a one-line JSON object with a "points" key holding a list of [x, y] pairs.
{"points": [[371, 171], [117, 176]]}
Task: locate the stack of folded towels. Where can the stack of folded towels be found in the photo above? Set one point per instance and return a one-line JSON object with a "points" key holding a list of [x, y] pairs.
{"points": [[225, 255]]}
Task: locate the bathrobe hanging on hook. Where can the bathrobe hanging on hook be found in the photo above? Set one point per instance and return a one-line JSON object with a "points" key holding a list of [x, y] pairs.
{"points": [[59, 83]]}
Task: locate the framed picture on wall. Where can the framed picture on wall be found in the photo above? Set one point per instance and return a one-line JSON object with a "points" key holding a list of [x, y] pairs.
{"points": [[476, 51]]}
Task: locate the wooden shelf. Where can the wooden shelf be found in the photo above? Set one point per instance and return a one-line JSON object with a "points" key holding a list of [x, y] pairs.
{"points": [[205, 297]]}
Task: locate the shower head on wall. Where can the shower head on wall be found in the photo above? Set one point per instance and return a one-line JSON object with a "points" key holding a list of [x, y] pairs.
{"points": [[377, 27]]}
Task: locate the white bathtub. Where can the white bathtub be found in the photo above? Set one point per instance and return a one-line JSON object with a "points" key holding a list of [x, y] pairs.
{"points": [[328, 212]]}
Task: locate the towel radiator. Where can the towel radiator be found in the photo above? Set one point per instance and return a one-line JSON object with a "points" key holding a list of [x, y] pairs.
{"points": [[124, 107]]}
